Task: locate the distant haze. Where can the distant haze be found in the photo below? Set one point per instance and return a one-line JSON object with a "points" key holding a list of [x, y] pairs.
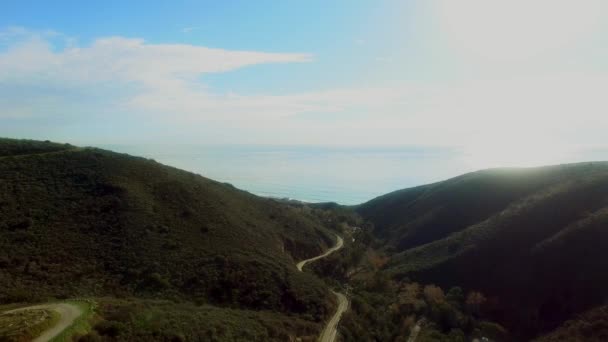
{"points": [[319, 174], [506, 83]]}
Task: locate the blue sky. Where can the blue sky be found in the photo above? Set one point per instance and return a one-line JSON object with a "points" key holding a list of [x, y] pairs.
{"points": [[332, 31], [470, 74]]}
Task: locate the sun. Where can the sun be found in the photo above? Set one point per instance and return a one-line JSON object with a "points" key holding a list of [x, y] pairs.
{"points": [[516, 29], [516, 152]]}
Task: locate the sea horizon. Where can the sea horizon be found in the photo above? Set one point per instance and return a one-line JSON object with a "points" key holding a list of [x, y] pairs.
{"points": [[347, 175]]}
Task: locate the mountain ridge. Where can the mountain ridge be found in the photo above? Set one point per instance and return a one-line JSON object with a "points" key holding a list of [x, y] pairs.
{"points": [[531, 239]]}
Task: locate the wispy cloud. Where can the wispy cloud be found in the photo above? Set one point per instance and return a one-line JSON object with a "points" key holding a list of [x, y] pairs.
{"points": [[127, 59], [156, 73], [127, 82], [189, 29]]}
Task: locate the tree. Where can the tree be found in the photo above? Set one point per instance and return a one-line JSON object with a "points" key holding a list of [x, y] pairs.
{"points": [[434, 294], [474, 301], [455, 297], [409, 298]]}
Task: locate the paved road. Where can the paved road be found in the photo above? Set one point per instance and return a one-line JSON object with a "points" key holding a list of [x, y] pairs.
{"points": [[67, 313], [331, 329]]}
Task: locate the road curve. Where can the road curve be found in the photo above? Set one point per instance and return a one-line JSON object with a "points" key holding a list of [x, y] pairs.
{"points": [[67, 315], [331, 329], [339, 244]]}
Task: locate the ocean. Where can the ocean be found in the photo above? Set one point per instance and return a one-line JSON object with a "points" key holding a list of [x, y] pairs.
{"points": [[346, 175]]}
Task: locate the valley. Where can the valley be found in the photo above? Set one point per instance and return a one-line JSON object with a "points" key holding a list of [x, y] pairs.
{"points": [[504, 254], [330, 330]]}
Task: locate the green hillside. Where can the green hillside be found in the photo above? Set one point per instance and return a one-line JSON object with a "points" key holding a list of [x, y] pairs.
{"points": [[415, 216], [533, 240], [89, 222]]}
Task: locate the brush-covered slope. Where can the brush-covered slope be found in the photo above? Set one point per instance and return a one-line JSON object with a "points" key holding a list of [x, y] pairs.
{"points": [[89, 222], [14, 147], [591, 326], [415, 216], [534, 240]]}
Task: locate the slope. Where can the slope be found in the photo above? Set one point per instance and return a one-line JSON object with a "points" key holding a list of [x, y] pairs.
{"points": [[89, 222], [537, 247]]}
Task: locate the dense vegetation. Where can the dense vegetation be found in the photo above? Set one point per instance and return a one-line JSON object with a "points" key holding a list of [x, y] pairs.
{"points": [[387, 309], [591, 326], [171, 255], [13, 147], [534, 241], [88, 222], [147, 320]]}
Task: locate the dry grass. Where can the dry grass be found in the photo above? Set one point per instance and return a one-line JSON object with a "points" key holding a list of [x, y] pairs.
{"points": [[25, 325]]}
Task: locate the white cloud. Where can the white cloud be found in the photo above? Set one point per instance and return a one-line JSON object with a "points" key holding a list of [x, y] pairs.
{"points": [[505, 115], [131, 60], [164, 78], [163, 81]]}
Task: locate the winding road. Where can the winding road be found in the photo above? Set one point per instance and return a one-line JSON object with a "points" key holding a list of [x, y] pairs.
{"points": [[331, 329], [67, 315]]}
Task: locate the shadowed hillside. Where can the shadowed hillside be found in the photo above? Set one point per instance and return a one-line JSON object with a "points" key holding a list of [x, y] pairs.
{"points": [[534, 240], [591, 326]]}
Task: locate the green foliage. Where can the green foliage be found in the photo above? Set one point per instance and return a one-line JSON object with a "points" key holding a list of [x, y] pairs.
{"points": [[455, 297], [389, 313], [13, 147], [146, 320]]}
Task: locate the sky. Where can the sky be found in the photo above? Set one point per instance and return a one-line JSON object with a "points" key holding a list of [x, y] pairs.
{"points": [[511, 83]]}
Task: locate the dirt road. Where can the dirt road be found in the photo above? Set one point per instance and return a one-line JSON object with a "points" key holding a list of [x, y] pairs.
{"points": [[67, 313], [339, 244], [331, 329]]}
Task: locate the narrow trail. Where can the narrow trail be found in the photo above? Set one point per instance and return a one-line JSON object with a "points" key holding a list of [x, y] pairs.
{"points": [[331, 329], [414, 333], [67, 315]]}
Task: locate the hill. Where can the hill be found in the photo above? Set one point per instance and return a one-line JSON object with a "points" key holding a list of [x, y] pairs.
{"points": [[89, 222], [533, 240]]}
